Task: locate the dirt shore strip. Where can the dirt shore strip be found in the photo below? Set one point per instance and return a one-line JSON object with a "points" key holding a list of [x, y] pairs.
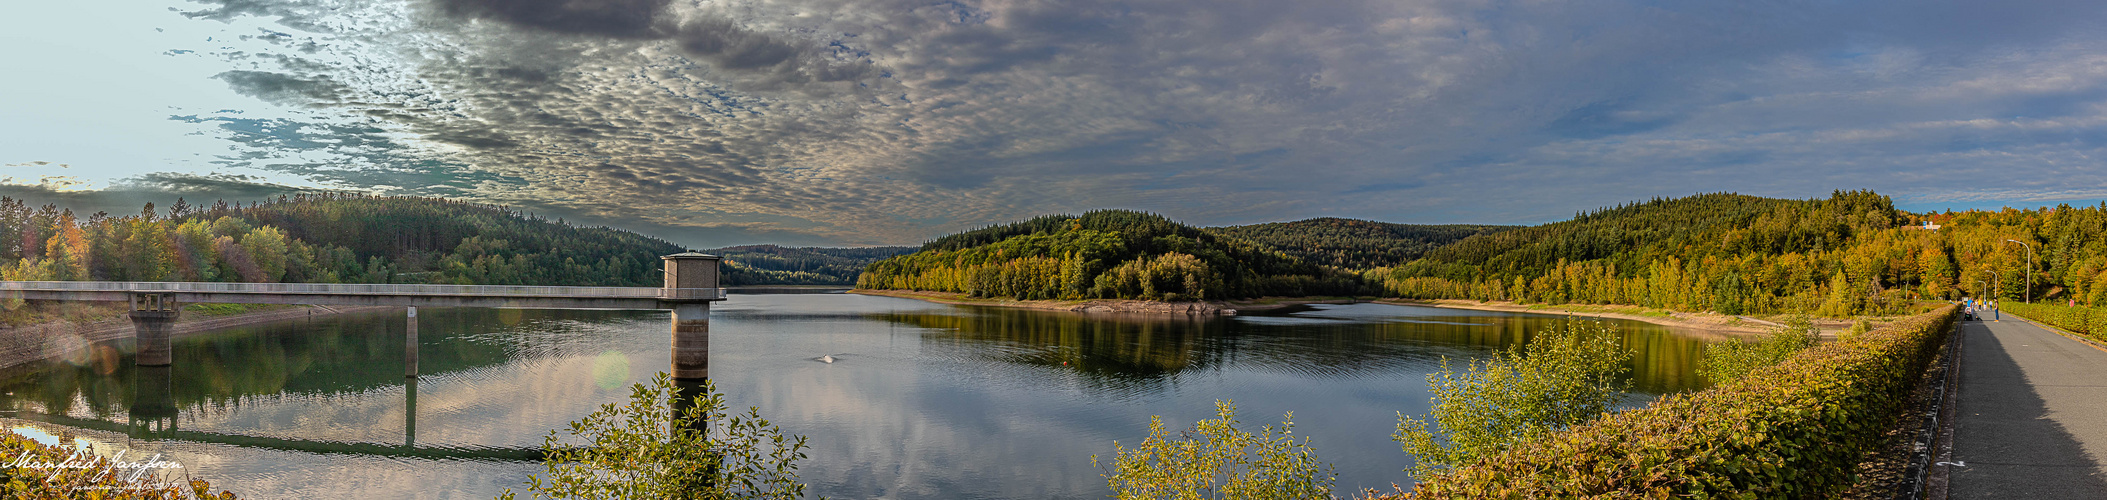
{"points": [[1706, 323], [28, 343]]}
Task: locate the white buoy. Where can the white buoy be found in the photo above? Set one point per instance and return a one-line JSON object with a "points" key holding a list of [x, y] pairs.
{"points": [[825, 359]]}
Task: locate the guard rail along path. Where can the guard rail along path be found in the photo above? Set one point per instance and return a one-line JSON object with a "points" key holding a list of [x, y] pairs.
{"points": [[691, 283]]}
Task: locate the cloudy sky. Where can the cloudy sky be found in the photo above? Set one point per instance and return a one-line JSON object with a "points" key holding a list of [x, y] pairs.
{"points": [[719, 122]]}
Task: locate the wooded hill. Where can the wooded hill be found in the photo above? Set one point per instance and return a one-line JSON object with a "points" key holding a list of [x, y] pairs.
{"points": [[1103, 254], [1353, 243], [327, 238], [1852, 253], [1849, 254], [1846, 255], [775, 265]]}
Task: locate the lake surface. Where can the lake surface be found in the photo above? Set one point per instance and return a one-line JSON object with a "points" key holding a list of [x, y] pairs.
{"points": [[922, 400]]}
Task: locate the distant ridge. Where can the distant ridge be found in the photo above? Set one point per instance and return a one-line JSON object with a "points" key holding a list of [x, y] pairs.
{"points": [[1107, 254], [1355, 243], [749, 265]]}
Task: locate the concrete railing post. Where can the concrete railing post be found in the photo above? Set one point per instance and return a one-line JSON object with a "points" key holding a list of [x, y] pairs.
{"points": [[153, 323], [691, 284]]}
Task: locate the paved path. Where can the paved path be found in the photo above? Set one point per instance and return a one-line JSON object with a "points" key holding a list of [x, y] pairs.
{"points": [[2032, 414]]}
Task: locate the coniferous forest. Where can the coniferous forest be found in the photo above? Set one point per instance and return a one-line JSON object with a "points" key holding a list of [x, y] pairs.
{"points": [[1353, 243], [776, 265]]}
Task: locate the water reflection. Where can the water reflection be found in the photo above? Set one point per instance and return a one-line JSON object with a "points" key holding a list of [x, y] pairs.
{"points": [[1133, 354], [919, 400]]}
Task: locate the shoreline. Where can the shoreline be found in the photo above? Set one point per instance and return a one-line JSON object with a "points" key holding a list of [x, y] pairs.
{"points": [[1707, 323], [21, 345], [1090, 305], [1714, 323]]}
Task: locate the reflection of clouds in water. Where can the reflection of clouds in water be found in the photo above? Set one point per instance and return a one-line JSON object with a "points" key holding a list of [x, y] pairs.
{"points": [[611, 370], [265, 473], [506, 406], [936, 401]]}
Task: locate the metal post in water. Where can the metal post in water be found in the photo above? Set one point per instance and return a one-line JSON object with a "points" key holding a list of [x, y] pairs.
{"points": [[153, 323], [409, 348]]}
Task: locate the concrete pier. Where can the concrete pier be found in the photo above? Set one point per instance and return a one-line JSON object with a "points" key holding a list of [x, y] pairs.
{"points": [[409, 348], [409, 414], [691, 341], [154, 321], [691, 283]]}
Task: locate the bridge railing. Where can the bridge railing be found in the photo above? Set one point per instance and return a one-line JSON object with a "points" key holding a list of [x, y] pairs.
{"points": [[366, 289]]}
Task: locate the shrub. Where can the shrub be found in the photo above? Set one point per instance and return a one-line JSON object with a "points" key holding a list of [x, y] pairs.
{"points": [[647, 450], [1564, 375], [1727, 361], [85, 475], [1215, 459], [1794, 430]]}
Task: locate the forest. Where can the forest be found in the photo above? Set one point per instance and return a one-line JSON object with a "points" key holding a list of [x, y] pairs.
{"points": [[325, 238], [1104, 254], [1353, 243], [1851, 254], [775, 265]]}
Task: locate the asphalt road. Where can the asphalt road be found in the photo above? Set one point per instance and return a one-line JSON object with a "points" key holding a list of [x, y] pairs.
{"points": [[2032, 414]]}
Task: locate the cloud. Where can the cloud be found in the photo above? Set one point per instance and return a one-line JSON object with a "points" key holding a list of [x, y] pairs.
{"points": [[611, 18], [883, 121], [280, 88]]}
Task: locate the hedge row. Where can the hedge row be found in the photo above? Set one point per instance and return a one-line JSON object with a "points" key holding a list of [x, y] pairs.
{"points": [[1797, 429], [2088, 321]]}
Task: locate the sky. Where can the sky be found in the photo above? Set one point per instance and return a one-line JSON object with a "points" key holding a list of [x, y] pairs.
{"points": [[868, 122]]}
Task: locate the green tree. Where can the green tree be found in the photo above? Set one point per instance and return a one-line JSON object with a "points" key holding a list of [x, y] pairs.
{"points": [[647, 449], [1215, 459], [1729, 360], [1565, 375], [266, 247]]}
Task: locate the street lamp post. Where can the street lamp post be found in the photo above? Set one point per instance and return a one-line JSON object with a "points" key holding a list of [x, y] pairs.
{"points": [[2030, 269]]}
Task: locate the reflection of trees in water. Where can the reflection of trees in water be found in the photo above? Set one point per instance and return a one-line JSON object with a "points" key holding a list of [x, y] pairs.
{"points": [[1117, 351], [334, 355], [1139, 352]]}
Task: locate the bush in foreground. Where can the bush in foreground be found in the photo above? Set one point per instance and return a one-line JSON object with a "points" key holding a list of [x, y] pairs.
{"points": [[1794, 430], [1215, 459], [29, 469], [649, 450], [1565, 375], [1730, 360]]}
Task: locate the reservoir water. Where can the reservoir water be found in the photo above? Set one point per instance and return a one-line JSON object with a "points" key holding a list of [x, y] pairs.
{"points": [[920, 400]]}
